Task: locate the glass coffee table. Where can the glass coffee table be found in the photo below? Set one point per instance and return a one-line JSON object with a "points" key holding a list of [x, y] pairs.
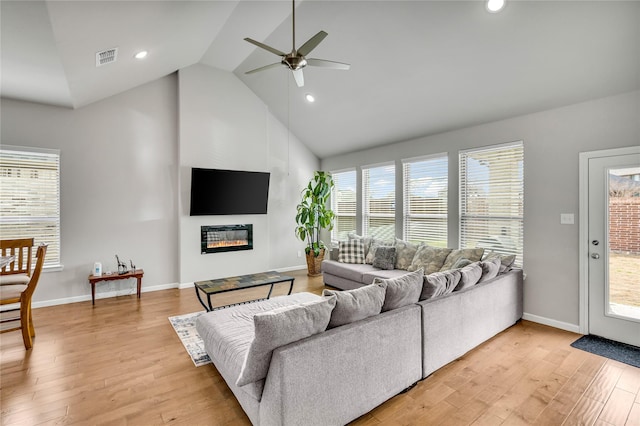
{"points": [[223, 285]]}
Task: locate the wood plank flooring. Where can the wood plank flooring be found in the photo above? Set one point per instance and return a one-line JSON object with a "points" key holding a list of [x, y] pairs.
{"points": [[121, 363]]}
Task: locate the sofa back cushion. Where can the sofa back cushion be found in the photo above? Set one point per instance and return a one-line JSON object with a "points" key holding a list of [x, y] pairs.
{"points": [[429, 258], [405, 252], [401, 291], [490, 269], [472, 254], [280, 327], [351, 251], [469, 276], [439, 284], [354, 305]]}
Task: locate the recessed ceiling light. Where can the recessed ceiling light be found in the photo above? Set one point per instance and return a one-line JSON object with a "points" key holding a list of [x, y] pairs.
{"points": [[140, 55], [495, 6], [309, 97]]}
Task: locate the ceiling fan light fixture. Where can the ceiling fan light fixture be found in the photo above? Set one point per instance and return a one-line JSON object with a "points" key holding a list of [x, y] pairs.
{"points": [[495, 6]]}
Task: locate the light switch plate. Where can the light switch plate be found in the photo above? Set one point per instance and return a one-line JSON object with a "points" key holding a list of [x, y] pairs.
{"points": [[566, 219]]}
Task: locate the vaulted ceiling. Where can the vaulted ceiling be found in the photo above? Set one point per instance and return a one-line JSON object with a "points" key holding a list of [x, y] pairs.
{"points": [[417, 67]]}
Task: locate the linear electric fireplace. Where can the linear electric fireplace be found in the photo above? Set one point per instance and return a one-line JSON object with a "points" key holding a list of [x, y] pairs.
{"points": [[215, 239]]}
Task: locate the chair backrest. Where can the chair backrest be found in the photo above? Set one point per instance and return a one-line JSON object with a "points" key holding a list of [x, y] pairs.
{"points": [[35, 277], [21, 249]]}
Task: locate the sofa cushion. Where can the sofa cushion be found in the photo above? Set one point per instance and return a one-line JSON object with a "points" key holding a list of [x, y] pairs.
{"points": [[351, 251], [460, 263], [405, 251], [369, 276], [429, 258], [472, 254], [469, 276], [439, 284], [384, 257], [280, 327], [357, 304], [350, 271], [506, 261], [490, 269], [372, 249], [401, 291]]}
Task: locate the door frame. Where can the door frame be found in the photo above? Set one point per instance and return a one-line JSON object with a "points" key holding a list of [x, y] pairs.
{"points": [[583, 214]]}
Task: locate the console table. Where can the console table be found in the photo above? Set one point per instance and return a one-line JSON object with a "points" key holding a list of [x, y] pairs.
{"points": [[223, 285], [93, 279]]}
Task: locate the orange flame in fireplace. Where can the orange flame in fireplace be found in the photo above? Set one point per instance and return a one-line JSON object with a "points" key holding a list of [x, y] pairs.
{"points": [[227, 243]]}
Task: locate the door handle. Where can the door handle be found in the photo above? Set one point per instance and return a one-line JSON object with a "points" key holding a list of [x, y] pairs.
{"points": [[595, 256]]}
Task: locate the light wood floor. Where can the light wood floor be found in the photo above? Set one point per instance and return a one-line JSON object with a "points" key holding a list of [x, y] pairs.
{"points": [[121, 363]]}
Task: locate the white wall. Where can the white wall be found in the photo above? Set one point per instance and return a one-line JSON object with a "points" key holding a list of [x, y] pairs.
{"points": [[552, 141], [118, 185], [224, 125]]}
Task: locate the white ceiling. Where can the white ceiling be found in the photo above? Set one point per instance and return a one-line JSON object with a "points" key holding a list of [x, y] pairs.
{"points": [[417, 67]]}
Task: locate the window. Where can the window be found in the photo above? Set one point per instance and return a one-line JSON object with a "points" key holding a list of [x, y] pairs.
{"points": [[425, 200], [379, 201], [343, 204], [491, 199], [30, 197]]}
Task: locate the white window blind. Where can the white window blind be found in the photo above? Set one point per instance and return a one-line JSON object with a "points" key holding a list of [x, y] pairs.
{"points": [[492, 199], [30, 197], [343, 204], [425, 200], [379, 201]]}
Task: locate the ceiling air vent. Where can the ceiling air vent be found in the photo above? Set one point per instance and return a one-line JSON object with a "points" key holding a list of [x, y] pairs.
{"points": [[106, 56]]}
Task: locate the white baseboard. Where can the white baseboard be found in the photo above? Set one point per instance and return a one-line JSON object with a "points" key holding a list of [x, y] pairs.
{"points": [[182, 286], [574, 328], [86, 297]]}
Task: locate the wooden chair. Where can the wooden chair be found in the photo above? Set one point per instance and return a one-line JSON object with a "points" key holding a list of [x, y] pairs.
{"points": [[17, 271], [21, 294]]}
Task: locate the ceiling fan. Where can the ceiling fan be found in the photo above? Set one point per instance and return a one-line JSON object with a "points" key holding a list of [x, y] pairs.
{"points": [[297, 60]]}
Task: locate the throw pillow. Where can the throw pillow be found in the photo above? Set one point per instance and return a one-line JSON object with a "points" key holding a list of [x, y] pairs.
{"points": [[351, 251], [429, 258], [469, 276], [490, 269], [401, 291], [280, 327], [460, 263], [372, 249], [473, 254], [439, 284], [357, 304], [506, 261], [384, 257], [366, 241], [405, 251]]}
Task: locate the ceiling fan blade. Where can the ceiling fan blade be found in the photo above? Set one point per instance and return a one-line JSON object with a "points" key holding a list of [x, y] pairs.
{"points": [[312, 43], [266, 67], [265, 47], [327, 64], [297, 74]]}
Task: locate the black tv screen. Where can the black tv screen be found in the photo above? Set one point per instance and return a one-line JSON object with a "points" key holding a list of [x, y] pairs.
{"points": [[224, 192]]}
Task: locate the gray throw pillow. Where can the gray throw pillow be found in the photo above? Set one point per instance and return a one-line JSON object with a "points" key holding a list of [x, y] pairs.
{"points": [[372, 249], [401, 291], [351, 251], [405, 251], [280, 327], [429, 258], [357, 304], [460, 263], [385, 257], [506, 261], [439, 284], [472, 254], [490, 269], [469, 276]]}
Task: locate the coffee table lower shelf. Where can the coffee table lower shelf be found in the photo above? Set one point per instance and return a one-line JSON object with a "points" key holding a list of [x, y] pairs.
{"points": [[241, 282]]}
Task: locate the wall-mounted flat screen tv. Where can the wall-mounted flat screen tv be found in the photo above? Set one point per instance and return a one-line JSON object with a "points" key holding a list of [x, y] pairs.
{"points": [[227, 192]]}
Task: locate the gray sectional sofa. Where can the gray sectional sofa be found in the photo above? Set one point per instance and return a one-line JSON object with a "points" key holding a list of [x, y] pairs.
{"points": [[337, 375]]}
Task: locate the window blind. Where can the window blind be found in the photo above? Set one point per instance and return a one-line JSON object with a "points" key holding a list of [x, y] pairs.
{"points": [[379, 201], [425, 183], [492, 199], [30, 197], [343, 204]]}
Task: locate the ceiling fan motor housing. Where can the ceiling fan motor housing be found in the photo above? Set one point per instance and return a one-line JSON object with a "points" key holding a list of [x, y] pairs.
{"points": [[294, 62]]}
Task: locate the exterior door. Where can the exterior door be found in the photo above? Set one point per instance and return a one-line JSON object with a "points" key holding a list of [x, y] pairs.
{"points": [[614, 247]]}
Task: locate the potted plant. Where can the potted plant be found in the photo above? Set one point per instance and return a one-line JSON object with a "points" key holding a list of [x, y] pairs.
{"points": [[313, 216]]}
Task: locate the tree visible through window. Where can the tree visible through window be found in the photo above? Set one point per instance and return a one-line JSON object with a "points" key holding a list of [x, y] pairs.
{"points": [[343, 204], [30, 197], [492, 199], [379, 201]]}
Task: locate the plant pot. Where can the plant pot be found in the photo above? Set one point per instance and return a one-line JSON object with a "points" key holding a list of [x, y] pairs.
{"points": [[314, 263]]}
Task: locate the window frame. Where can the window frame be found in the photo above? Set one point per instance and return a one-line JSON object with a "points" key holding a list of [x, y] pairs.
{"points": [[334, 202], [366, 215]]}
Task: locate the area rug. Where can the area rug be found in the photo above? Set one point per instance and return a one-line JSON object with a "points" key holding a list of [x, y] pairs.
{"points": [[609, 349], [185, 327]]}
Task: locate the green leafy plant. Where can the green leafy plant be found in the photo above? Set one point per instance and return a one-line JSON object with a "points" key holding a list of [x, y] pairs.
{"points": [[313, 214]]}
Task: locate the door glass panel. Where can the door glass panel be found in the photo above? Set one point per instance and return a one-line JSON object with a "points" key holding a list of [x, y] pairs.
{"points": [[624, 243]]}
